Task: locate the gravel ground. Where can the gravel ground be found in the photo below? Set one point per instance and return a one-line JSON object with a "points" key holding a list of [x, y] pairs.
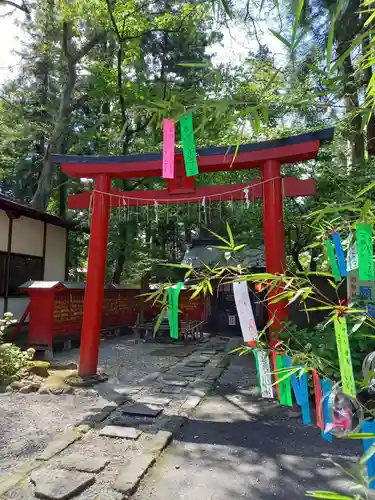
{"points": [[29, 421]]}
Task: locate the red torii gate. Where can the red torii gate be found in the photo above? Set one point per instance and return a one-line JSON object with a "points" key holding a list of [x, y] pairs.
{"points": [[268, 156]]}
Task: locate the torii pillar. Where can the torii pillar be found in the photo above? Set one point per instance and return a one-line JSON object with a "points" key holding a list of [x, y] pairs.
{"points": [[268, 156]]}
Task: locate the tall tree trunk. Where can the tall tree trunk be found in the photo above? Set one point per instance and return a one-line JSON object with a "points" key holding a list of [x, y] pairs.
{"points": [[121, 255], [367, 75], [55, 143], [348, 27]]}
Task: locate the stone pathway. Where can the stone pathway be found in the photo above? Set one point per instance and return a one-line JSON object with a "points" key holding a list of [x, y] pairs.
{"points": [[108, 452], [237, 446]]}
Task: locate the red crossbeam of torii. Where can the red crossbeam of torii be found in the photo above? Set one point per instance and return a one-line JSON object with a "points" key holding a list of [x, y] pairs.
{"points": [[268, 156]]}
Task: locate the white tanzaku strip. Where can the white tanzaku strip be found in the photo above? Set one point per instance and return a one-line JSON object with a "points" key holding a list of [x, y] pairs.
{"points": [[265, 378], [245, 312]]}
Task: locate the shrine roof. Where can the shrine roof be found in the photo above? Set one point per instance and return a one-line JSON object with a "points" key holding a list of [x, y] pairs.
{"points": [[20, 210], [287, 150]]}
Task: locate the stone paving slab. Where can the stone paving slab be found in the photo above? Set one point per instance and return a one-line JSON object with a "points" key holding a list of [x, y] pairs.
{"points": [[82, 463], [155, 443], [142, 410], [130, 475], [154, 400], [100, 416], [191, 402], [129, 421], [118, 431], [61, 484], [177, 382], [59, 443], [178, 352], [195, 364], [171, 389]]}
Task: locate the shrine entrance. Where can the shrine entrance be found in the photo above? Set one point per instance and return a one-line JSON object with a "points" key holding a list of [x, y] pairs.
{"points": [[268, 156]]}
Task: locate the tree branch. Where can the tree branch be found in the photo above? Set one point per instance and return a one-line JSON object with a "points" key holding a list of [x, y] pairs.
{"points": [[90, 44], [23, 8]]}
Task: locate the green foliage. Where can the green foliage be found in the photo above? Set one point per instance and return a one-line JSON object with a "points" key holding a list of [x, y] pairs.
{"points": [[317, 346], [12, 358]]}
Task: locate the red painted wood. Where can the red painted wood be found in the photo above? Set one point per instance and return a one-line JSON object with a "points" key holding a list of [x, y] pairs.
{"points": [[41, 311], [243, 161], [94, 295], [291, 186], [273, 223], [58, 312], [180, 184]]}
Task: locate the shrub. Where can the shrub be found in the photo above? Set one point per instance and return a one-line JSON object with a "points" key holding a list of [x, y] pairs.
{"points": [[12, 358]]}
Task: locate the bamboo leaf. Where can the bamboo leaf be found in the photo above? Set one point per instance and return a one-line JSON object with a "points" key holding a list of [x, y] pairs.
{"points": [[370, 19], [281, 38], [367, 455], [158, 321], [203, 64], [239, 247], [197, 291], [360, 435], [286, 376], [230, 235], [347, 53], [225, 5], [219, 237], [365, 190], [297, 17], [221, 247], [327, 494]]}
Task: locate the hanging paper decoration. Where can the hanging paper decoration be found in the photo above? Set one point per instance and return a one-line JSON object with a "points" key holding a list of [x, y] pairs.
{"points": [[188, 145], [368, 372], [168, 148], [344, 411], [246, 195], [352, 254], [156, 207], [245, 311], [365, 252], [173, 294], [301, 391], [332, 261], [285, 393], [369, 426], [204, 209], [339, 253], [264, 372], [341, 413], [318, 400], [326, 390], [345, 361]]}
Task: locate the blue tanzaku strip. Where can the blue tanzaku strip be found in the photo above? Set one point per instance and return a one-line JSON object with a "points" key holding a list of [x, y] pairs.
{"points": [[339, 253], [326, 389], [369, 426], [301, 391]]}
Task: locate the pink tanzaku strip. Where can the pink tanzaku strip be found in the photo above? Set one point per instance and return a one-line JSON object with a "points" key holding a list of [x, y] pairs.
{"points": [[168, 148]]}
